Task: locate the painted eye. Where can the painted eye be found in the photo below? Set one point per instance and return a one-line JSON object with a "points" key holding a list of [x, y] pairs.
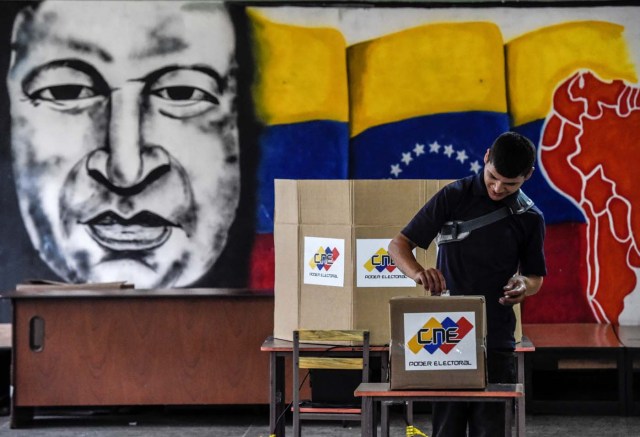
{"points": [[66, 85], [64, 92], [185, 94]]}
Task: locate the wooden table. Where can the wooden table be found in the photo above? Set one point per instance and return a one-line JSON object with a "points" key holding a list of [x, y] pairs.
{"points": [[578, 368], [280, 349], [380, 392], [137, 347], [629, 336]]}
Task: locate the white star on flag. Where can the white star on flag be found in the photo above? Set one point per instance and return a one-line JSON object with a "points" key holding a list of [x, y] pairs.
{"points": [[434, 147], [418, 149], [448, 150], [406, 158], [461, 156], [475, 167], [395, 169]]}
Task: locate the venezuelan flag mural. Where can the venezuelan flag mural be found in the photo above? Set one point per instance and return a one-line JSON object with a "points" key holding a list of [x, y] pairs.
{"points": [[300, 95], [412, 92], [429, 91]]}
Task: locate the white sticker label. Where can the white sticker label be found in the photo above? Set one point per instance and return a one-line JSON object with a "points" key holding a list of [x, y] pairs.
{"points": [[440, 341], [374, 265], [324, 261]]}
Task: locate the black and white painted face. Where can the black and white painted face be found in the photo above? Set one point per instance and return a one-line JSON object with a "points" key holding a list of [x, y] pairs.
{"points": [[124, 137]]}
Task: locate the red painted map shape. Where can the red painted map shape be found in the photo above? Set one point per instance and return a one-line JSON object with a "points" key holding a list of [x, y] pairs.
{"points": [[590, 151]]}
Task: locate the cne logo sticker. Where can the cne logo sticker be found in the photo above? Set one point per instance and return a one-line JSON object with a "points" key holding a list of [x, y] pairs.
{"points": [[323, 261], [380, 261], [375, 268], [440, 341], [324, 258], [435, 335]]}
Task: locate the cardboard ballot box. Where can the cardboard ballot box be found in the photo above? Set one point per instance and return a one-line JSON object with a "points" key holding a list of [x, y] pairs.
{"points": [[438, 342], [333, 270]]}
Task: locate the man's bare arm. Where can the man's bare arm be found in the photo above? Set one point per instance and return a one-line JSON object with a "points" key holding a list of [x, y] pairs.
{"points": [[400, 250]]}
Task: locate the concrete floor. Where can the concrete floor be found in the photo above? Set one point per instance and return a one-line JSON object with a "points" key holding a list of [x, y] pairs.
{"points": [[253, 422]]}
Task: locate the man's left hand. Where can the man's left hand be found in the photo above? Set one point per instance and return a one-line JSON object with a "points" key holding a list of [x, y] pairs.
{"points": [[514, 291]]}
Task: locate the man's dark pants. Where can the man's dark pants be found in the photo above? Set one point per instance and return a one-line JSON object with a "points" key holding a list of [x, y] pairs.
{"points": [[485, 419]]}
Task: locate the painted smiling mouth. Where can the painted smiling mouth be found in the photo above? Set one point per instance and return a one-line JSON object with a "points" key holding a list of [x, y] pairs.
{"points": [[143, 231]]}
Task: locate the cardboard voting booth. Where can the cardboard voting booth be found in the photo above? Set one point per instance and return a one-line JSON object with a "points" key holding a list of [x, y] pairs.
{"points": [[438, 342], [332, 269]]}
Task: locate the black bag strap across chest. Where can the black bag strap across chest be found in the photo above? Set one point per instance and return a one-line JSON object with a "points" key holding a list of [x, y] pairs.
{"points": [[458, 230]]}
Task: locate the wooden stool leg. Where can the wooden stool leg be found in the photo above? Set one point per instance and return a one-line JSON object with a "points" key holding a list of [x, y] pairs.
{"points": [[508, 417], [367, 418], [384, 419], [409, 412]]}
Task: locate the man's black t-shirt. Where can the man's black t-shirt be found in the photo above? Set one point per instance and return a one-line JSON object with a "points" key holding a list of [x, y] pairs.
{"points": [[482, 263]]}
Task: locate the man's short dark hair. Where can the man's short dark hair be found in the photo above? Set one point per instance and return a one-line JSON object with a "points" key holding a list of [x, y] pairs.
{"points": [[512, 154]]}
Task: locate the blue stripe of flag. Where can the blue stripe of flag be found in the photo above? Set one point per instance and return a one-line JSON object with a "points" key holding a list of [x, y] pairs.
{"points": [[308, 150], [440, 146]]}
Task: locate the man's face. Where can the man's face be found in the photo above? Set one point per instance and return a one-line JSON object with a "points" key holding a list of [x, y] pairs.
{"points": [[124, 138], [498, 186]]}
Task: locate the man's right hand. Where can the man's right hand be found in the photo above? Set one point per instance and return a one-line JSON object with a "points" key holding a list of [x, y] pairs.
{"points": [[431, 280]]}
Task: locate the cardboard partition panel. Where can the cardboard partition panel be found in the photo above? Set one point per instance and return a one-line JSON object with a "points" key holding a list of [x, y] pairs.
{"points": [[333, 270]]}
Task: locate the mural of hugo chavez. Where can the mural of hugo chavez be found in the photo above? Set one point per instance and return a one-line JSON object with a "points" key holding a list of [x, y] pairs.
{"points": [[124, 137]]}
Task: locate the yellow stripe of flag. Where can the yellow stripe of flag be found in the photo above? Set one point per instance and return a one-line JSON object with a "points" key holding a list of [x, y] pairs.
{"points": [[539, 61], [301, 72], [435, 68]]}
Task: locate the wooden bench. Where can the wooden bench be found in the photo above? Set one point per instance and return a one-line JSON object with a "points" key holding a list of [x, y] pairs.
{"points": [[577, 368], [629, 336], [380, 392], [524, 346]]}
